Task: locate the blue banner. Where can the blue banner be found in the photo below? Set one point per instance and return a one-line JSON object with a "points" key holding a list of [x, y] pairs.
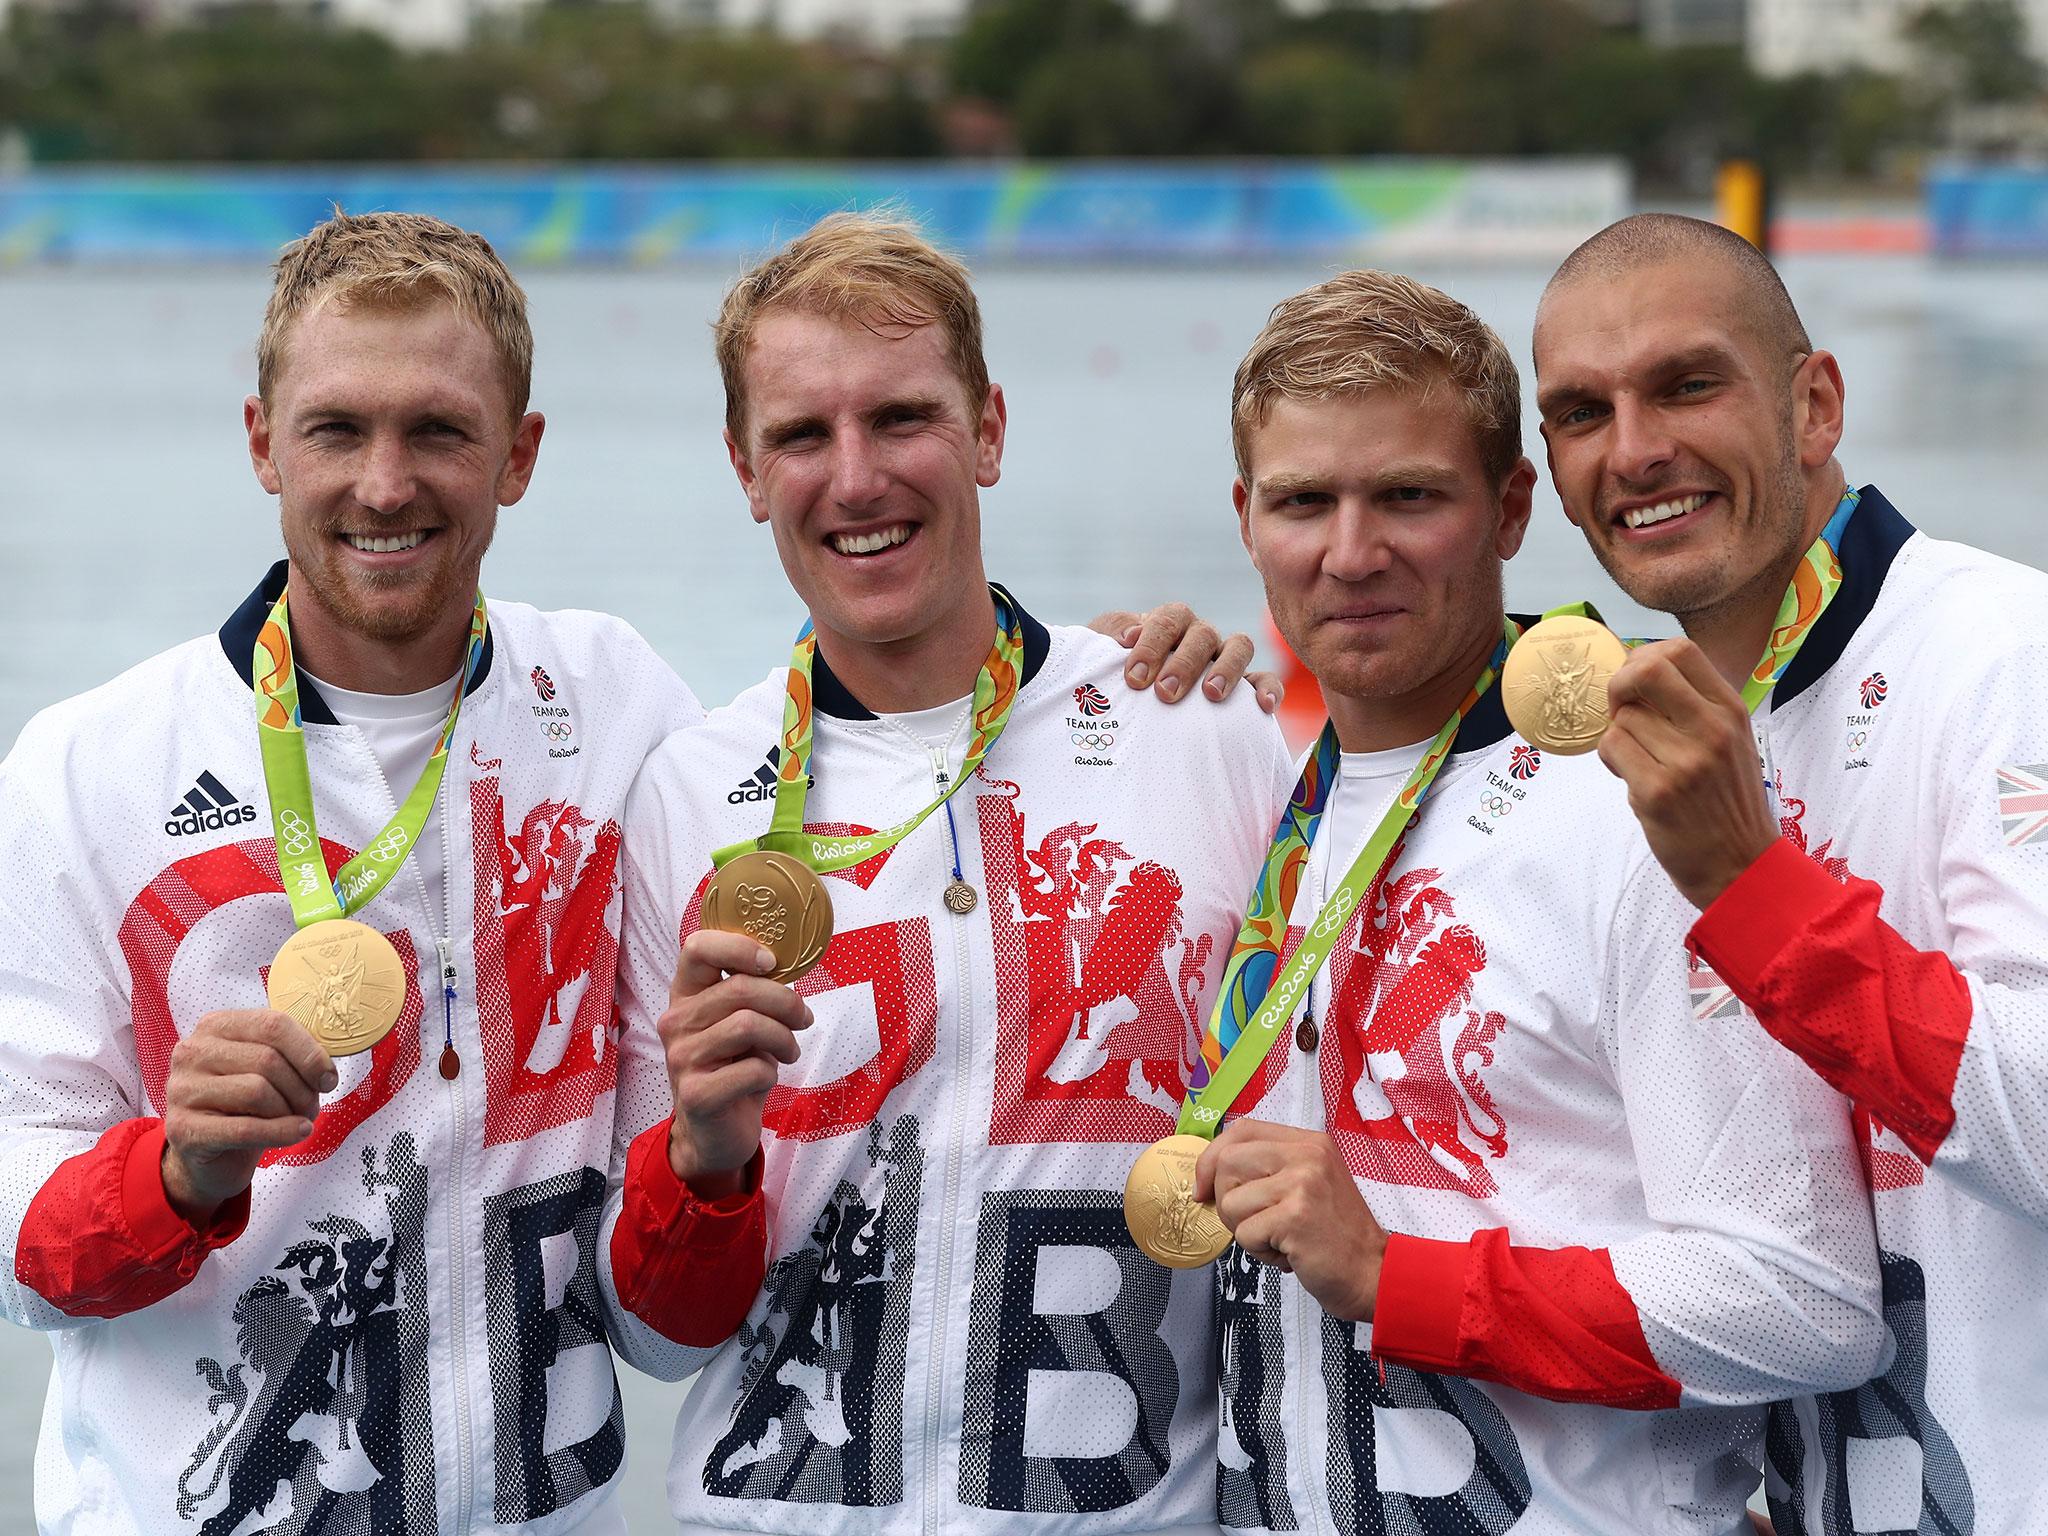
{"points": [[1063, 211]]}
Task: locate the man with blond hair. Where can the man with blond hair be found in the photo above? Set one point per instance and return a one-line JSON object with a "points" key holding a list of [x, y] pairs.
{"points": [[1521, 1244], [1032, 871], [339, 1292]]}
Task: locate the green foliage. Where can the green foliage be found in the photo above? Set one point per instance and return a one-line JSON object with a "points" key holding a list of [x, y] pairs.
{"points": [[1980, 47], [615, 79]]}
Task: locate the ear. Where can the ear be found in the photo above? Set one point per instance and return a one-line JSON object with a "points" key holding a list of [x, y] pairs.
{"points": [[256, 423], [757, 501], [1517, 501], [988, 438], [1241, 498], [1817, 402], [517, 474]]}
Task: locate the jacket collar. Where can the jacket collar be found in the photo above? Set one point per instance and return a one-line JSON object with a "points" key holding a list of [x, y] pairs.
{"points": [[834, 698], [1488, 721], [1876, 532], [238, 640]]}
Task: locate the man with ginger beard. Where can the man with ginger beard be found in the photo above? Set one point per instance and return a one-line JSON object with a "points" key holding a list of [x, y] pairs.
{"points": [[1521, 1245], [1878, 894]]}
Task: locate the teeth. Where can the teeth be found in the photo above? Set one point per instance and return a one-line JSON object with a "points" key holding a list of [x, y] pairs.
{"points": [[387, 546], [1664, 511], [869, 543]]}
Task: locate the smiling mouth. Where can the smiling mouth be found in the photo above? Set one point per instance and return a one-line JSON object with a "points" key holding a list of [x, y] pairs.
{"points": [[873, 541], [1664, 511], [388, 543]]}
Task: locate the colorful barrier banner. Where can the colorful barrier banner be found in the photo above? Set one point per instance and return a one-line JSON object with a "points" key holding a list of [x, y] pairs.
{"points": [[1991, 210], [1051, 211]]}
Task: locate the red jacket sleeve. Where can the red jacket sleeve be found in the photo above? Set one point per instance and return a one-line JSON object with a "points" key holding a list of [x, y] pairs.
{"points": [[688, 1268], [1552, 1322], [1884, 1023], [101, 1238]]}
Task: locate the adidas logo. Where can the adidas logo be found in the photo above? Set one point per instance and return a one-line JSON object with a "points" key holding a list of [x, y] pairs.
{"points": [[760, 784], [207, 807]]}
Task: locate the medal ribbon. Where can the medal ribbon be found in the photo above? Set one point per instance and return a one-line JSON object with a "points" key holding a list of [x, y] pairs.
{"points": [[1814, 585], [1257, 994], [281, 734], [995, 693]]}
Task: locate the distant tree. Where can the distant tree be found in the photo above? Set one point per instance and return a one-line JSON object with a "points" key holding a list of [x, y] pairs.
{"points": [[1979, 49], [1304, 99], [1002, 42]]}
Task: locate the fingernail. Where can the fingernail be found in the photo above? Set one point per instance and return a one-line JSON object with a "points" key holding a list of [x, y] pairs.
{"points": [[810, 1018], [1268, 701], [1170, 689], [1213, 687], [1141, 674], [305, 1129], [764, 961], [1130, 636], [329, 1080]]}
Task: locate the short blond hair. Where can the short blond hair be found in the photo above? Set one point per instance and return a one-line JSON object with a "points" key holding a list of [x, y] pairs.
{"points": [[871, 267], [1367, 330], [398, 260]]}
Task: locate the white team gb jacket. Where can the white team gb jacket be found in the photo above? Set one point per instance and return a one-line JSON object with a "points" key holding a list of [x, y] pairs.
{"points": [[1623, 1222], [957, 1332], [1910, 744], [408, 1335]]}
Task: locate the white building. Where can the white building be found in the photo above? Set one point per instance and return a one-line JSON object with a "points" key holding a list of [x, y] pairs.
{"points": [[1788, 36]]}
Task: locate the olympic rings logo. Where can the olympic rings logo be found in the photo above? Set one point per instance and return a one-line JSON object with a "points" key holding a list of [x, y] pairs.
{"points": [[1496, 805], [1857, 738], [296, 838], [390, 845], [559, 730], [1094, 738]]}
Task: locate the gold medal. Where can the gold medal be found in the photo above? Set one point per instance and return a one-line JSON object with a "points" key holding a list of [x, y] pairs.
{"points": [[343, 981], [777, 900], [1161, 1210], [1554, 683]]}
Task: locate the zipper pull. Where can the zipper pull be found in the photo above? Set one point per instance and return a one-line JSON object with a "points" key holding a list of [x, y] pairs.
{"points": [[940, 776], [451, 1064]]}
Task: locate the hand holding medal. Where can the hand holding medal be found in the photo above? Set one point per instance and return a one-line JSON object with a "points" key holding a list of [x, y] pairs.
{"points": [[1257, 998], [1695, 752]]}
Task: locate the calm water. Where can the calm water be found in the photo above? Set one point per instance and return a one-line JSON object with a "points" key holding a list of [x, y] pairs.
{"points": [[129, 519]]}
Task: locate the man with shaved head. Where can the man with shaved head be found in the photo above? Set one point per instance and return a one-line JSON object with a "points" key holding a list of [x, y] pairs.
{"points": [[1878, 894]]}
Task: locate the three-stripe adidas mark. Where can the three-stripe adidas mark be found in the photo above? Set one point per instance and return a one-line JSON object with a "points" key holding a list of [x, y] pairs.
{"points": [[208, 806], [760, 784]]}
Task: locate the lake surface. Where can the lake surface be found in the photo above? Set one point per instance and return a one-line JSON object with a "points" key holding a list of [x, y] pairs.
{"points": [[129, 519]]}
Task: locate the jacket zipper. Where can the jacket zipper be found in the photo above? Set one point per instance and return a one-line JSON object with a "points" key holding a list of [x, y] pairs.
{"points": [[458, 1278], [935, 1376]]}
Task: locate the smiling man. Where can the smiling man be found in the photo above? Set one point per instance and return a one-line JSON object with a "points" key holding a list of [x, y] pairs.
{"points": [[305, 1290], [1878, 894], [1521, 1244], [1032, 872]]}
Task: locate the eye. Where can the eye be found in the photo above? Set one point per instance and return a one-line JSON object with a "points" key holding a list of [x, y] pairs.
{"points": [[1410, 495], [1692, 389], [336, 430], [902, 416], [1303, 501], [1579, 416], [441, 429]]}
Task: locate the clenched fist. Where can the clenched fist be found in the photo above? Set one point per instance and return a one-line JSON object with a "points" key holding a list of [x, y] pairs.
{"points": [[1289, 1200], [243, 1082], [726, 1032]]}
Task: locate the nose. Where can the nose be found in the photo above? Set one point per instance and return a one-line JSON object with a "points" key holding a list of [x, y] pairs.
{"points": [[1359, 548], [387, 482], [859, 478], [1641, 443]]}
